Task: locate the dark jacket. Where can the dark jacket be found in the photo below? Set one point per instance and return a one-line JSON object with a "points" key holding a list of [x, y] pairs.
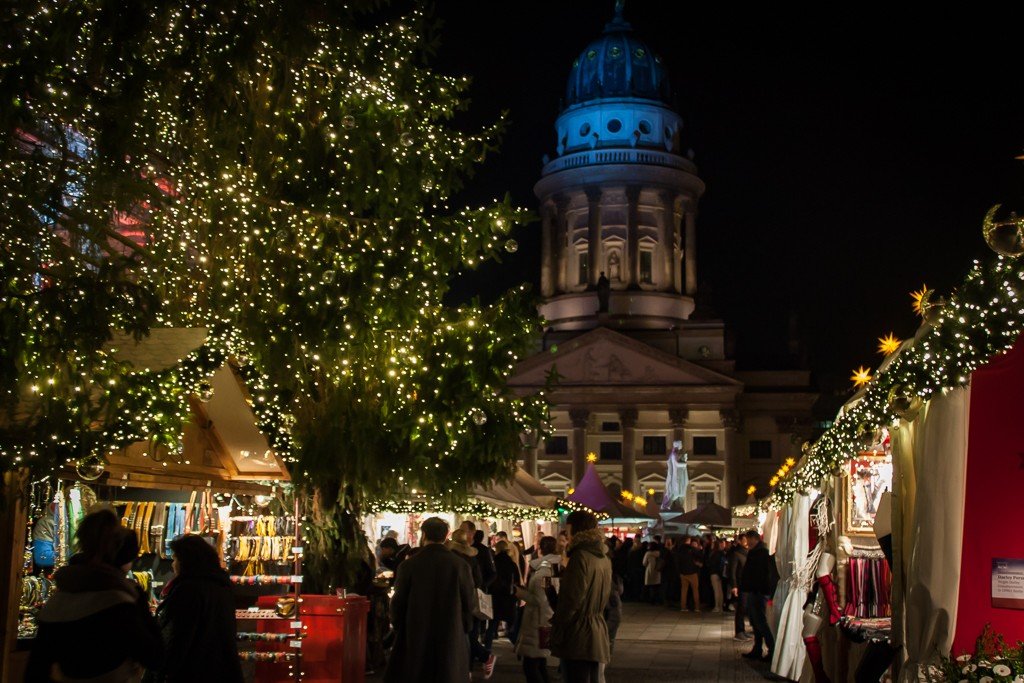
{"points": [[432, 611], [716, 562], [96, 623], [736, 558], [686, 559], [503, 597], [578, 628], [757, 571], [485, 558], [198, 622]]}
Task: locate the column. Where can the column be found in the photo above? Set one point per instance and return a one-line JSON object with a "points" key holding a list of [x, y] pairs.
{"points": [[633, 236], [561, 244], [547, 249], [677, 418], [627, 418], [530, 457], [579, 417], [667, 237], [594, 234], [691, 251], [731, 474]]}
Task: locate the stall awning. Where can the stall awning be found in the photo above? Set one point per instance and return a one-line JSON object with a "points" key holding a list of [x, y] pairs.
{"points": [[592, 492]]}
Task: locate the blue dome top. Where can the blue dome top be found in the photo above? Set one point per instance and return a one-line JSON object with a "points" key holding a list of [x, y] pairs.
{"points": [[617, 65]]}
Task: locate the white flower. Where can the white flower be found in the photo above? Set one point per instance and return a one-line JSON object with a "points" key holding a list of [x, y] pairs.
{"points": [[963, 658], [1001, 670], [985, 679], [969, 668], [1019, 679]]}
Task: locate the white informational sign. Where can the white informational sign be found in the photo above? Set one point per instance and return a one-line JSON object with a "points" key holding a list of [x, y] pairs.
{"points": [[1007, 583]]}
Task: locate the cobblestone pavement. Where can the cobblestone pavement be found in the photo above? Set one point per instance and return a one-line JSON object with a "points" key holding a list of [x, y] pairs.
{"points": [[655, 643]]}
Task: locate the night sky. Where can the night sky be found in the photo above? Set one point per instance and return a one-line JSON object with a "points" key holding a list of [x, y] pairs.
{"points": [[849, 157]]}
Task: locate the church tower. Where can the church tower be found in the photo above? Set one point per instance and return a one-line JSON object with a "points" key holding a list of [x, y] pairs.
{"points": [[636, 369], [619, 198]]}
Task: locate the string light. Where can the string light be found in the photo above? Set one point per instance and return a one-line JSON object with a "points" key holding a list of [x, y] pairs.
{"points": [[293, 197], [983, 318]]}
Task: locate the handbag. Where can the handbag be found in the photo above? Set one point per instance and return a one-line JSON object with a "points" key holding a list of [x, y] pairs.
{"points": [[544, 638], [484, 606]]}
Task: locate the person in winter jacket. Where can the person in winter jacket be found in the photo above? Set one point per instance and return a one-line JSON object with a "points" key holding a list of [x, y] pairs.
{"points": [[197, 618], [652, 573], [503, 594], [612, 617], [535, 628], [97, 626], [432, 610], [579, 634]]}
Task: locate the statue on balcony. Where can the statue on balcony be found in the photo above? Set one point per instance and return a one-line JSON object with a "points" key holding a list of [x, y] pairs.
{"points": [[677, 478], [604, 291]]}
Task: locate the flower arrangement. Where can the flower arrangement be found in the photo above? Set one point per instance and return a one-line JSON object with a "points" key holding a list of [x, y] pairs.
{"points": [[993, 661]]}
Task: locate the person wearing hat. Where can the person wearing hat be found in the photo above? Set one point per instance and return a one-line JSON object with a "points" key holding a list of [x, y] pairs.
{"points": [[432, 611], [97, 626]]}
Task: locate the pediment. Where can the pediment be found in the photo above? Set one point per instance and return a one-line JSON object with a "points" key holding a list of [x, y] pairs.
{"points": [[603, 357]]}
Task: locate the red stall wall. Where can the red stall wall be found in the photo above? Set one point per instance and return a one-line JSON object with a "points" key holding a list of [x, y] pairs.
{"points": [[994, 504]]}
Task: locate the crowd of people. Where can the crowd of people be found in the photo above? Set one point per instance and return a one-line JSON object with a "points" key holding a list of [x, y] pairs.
{"points": [[98, 625], [560, 599], [454, 594]]}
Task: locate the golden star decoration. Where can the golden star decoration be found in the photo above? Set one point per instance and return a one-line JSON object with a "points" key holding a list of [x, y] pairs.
{"points": [[591, 457], [860, 376], [888, 344], [627, 495], [751, 490], [920, 298]]}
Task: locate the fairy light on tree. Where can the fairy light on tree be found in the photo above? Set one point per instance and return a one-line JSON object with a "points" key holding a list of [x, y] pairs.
{"points": [[288, 173]]}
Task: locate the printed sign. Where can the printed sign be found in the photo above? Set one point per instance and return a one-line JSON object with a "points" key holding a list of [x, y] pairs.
{"points": [[1007, 583]]}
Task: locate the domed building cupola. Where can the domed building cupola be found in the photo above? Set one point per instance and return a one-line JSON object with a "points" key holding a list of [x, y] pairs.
{"points": [[617, 65], [615, 199]]}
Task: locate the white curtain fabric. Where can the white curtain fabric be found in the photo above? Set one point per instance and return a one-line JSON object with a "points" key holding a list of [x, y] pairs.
{"points": [[932, 530], [790, 653]]}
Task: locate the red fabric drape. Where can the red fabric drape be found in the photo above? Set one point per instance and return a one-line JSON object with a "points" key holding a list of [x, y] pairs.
{"points": [[994, 501]]}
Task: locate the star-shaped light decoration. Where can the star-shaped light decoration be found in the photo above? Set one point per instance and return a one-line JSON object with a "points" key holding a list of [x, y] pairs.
{"points": [[751, 490], [571, 490], [650, 492], [627, 495], [791, 462], [860, 376], [591, 457], [889, 344], [640, 502], [773, 481], [920, 298]]}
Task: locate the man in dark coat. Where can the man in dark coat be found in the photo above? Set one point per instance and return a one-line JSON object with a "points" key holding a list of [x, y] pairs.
{"points": [[736, 560], [755, 584], [432, 610]]}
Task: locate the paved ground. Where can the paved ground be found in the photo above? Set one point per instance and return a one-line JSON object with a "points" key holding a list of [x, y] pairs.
{"points": [[659, 644]]}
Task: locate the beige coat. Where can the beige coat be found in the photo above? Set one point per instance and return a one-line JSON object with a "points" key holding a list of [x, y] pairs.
{"points": [[537, 612], [578, 627]]}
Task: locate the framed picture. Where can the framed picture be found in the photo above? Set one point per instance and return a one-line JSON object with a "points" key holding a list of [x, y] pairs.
{"points": [[867, 476]]}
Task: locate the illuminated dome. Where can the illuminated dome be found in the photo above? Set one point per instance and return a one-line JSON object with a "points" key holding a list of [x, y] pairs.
{"points": [[617, 64]]}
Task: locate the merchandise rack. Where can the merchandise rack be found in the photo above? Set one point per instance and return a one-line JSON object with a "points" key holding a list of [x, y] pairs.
{"points": [[291, 637]]}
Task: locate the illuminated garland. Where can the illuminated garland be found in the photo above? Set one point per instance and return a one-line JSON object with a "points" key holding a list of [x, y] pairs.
{"points": [[566, 506], [984, 317], [468, 509]]}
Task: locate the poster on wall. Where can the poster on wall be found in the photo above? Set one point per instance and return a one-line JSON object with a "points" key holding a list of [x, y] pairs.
{"points": [[1007, 583], [868, 477]]}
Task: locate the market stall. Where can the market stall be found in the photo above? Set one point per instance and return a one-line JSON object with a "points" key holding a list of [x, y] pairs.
{"points": [[222, 481], [923, 465]]}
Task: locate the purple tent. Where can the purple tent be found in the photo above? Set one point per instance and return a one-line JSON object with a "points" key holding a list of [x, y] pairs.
{"points": [[592, 492]]}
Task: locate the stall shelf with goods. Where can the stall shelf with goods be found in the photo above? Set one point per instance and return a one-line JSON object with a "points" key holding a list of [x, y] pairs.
{"points": [[937, 419]]}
